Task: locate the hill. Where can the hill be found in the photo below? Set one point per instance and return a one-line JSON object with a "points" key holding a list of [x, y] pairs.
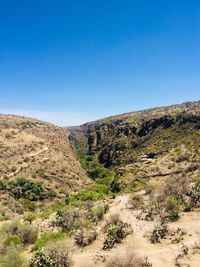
{"points": [[145, 144], [39, 152]]}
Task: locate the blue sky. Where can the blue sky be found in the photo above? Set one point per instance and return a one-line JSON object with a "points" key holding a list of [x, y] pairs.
{"points": [[69, 62]]}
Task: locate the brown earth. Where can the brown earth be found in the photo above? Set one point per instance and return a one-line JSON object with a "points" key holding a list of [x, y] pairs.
{"points": [[35, 150]]}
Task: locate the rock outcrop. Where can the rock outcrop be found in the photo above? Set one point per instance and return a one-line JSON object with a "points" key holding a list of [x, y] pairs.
{"points": [[122, 140]]}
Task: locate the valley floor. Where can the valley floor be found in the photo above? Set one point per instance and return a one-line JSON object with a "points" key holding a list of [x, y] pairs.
{"points": [[160, 254]]}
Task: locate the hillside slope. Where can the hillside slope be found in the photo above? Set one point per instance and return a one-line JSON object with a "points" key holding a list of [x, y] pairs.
{"points": [[145, 144], [37, 151], [141, 209]]}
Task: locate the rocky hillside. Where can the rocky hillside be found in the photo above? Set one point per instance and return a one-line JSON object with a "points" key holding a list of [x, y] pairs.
{"points": [[145, 144], [141, 209], [39, 152]]}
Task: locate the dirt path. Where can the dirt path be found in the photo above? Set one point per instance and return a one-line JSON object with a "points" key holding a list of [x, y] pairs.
{"points": [[36, 153], [30, 155], [160, 255]]}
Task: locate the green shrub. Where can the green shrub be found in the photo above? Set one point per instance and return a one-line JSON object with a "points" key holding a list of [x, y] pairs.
{"points": [[92, 166], [97, 213], [92, 193], [23, 188], [30, 217], [51, 208], [51, 194], [84, 237], [136, 186], [196, 179], [66, 219], [24, 232], [10, 228], [47, 238], [176, 186], [29, 124], [115, 186], [116, 232], [54, 255], [172, 208], [13, 240], [97, 171], [28, 205], [13, 258]]}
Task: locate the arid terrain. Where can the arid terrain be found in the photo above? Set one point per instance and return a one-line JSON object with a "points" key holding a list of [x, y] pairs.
{"points": [[123, 191], [37, 151]]}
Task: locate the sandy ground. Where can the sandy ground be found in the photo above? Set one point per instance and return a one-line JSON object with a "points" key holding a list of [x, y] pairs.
{"points": [[160, 254]]}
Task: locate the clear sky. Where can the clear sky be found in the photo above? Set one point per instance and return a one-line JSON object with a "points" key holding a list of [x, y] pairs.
{"points": [[72, 61]]}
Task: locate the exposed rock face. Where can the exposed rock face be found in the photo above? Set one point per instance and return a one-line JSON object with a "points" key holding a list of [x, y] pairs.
{"points": [[124, 139]]}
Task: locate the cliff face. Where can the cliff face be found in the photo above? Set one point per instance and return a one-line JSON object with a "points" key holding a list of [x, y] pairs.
{"points": [[122, 140]]}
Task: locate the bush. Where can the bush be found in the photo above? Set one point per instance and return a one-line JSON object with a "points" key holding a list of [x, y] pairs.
{"points": [[13, 240], [94, 169], [136, 186], [83, 237], [52, 208], [115, 186], [66, 219], [23, 188], [55, 255], [177, 236], [159, 232], [176, 186], [27, 205], [29, 124], [10, 228], [116, 232], [194, 195], [30, 217], [97, 213], [172, 208], [154, 209], [51, 194], [92, 193], [13, 258], [42, 259], [15, 231], [28, 234], [47, 238]]}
